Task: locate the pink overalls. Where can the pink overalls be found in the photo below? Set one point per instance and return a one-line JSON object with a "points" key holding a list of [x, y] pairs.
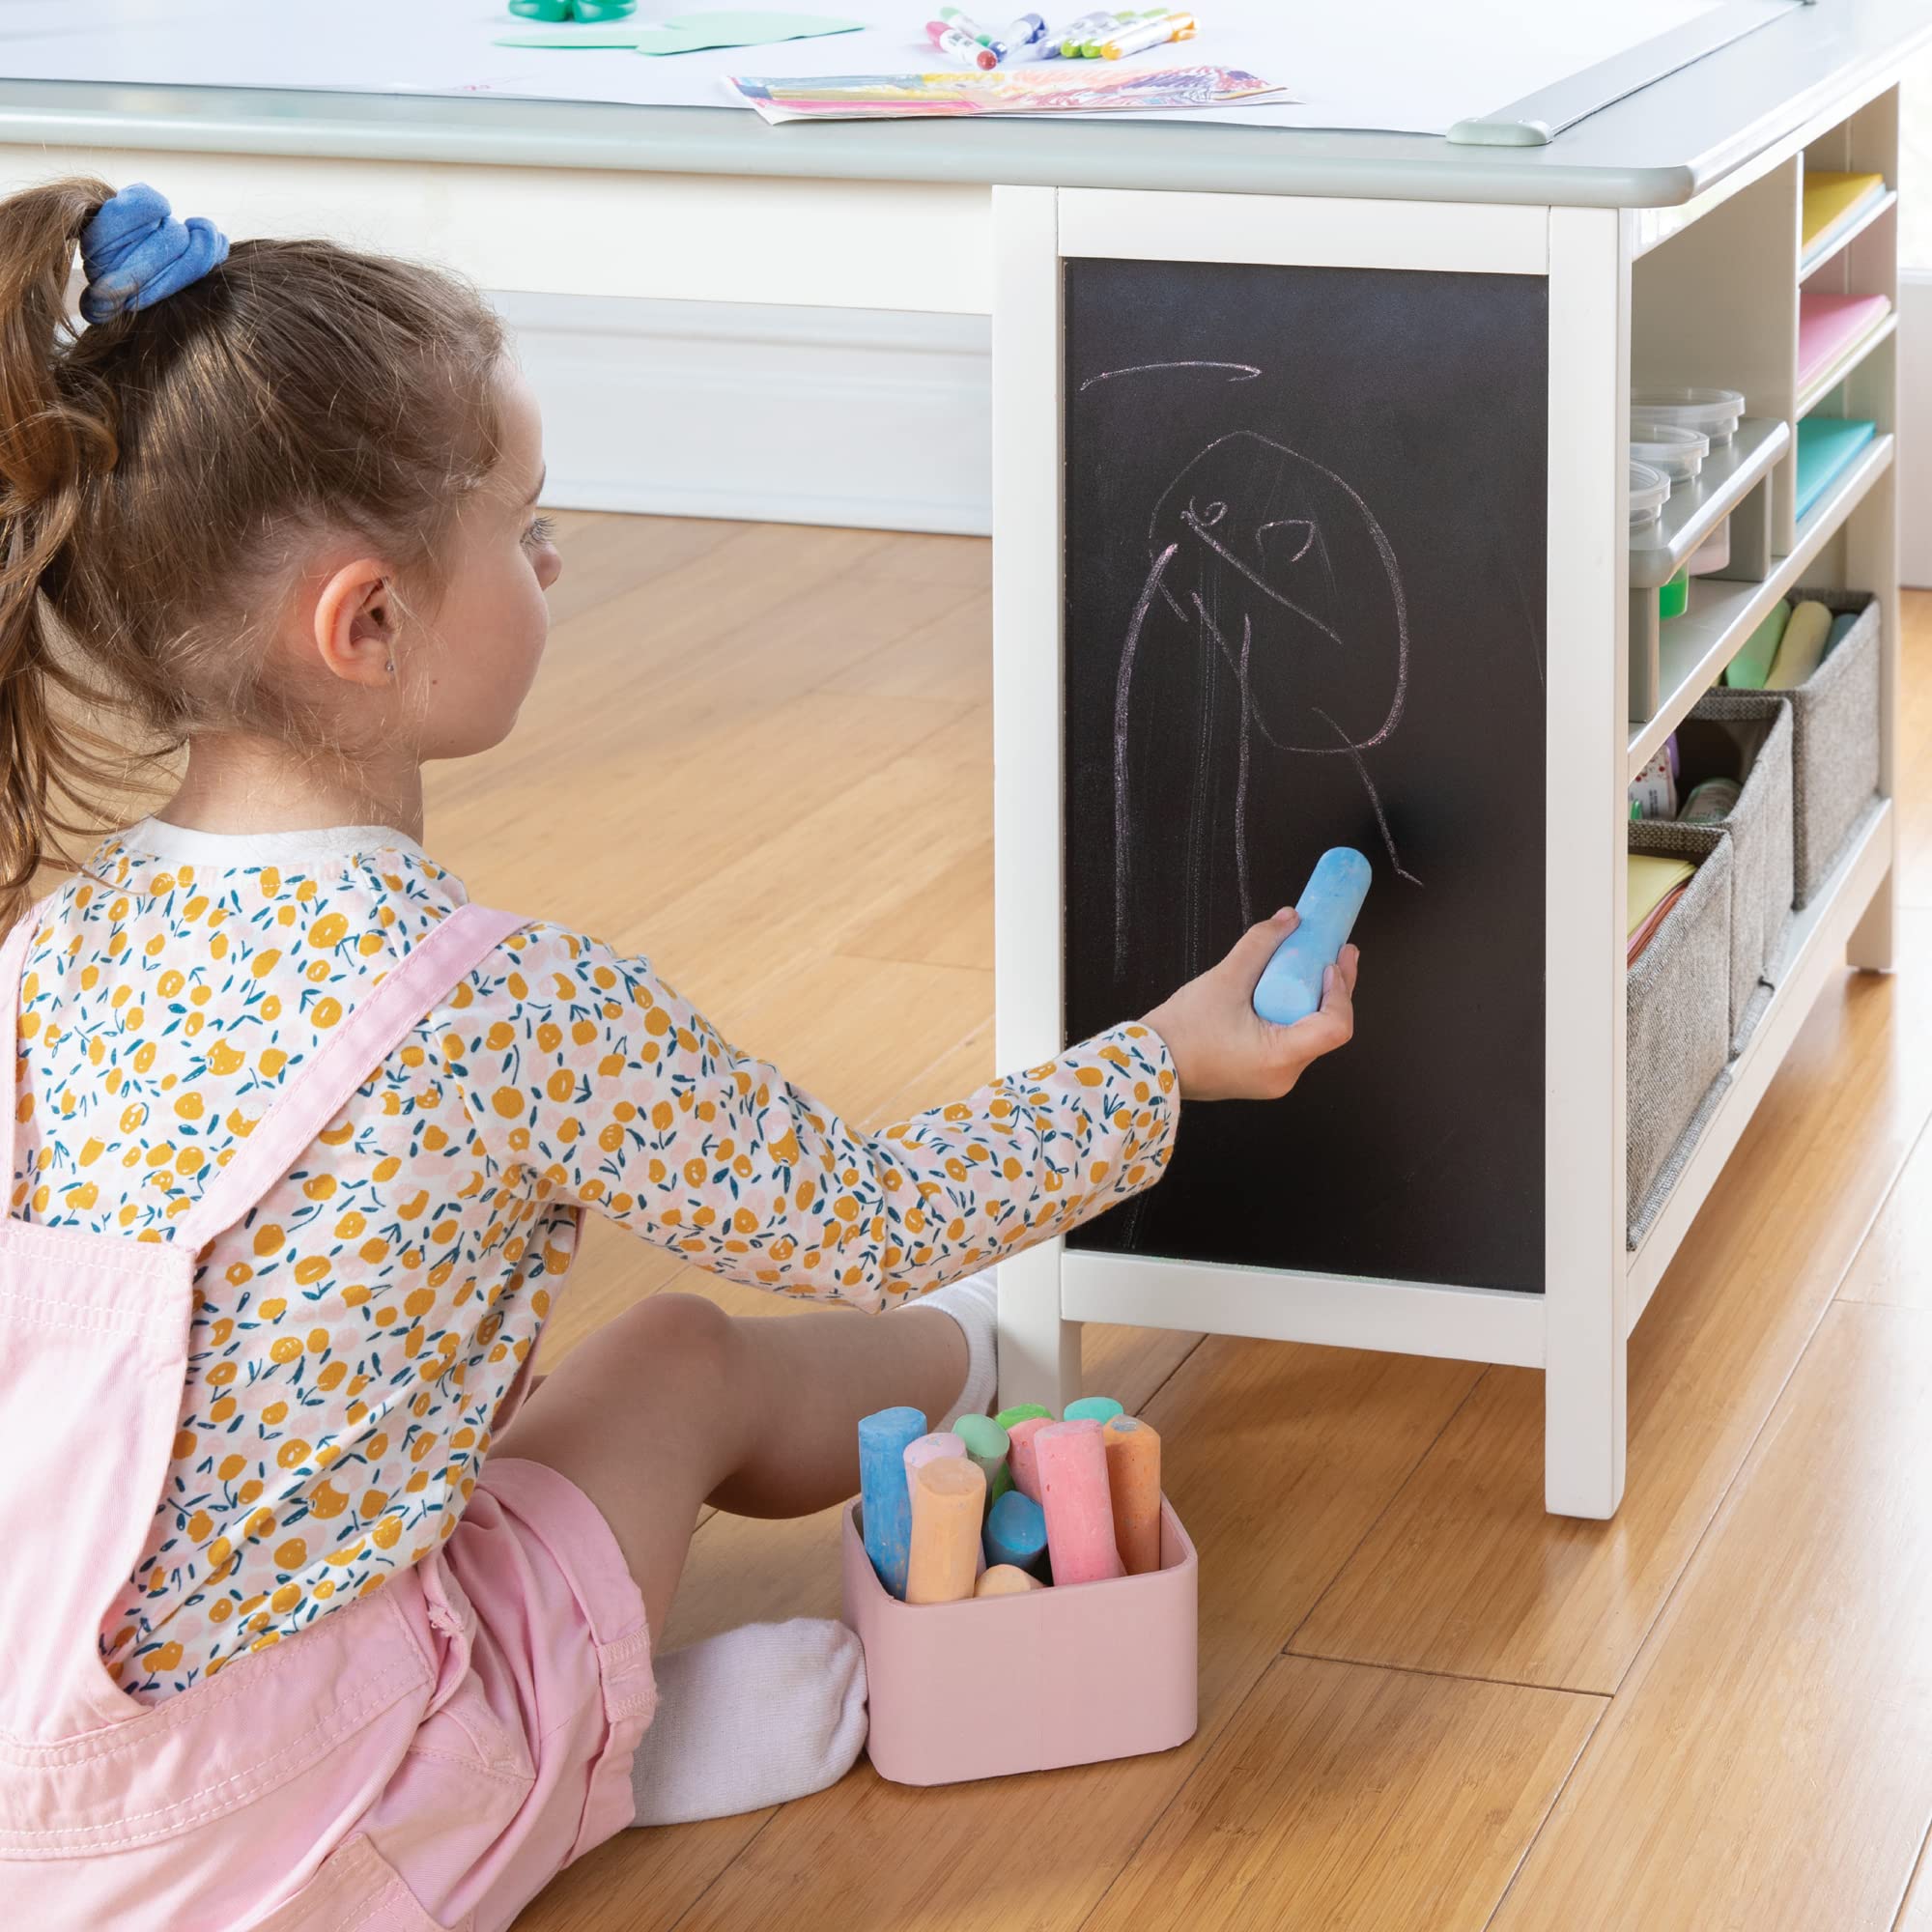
{"points": [[429, 1754]]}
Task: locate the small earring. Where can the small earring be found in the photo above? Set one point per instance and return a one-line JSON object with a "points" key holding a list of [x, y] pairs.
{"points": [[390, 665]]}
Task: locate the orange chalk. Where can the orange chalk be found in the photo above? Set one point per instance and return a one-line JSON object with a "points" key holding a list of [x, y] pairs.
{"points": [[949, 1500], [1133, 1479], [1004, 1579]]}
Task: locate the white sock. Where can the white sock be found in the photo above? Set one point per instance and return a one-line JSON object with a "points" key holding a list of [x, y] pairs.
{"points": [[755, 1716], [974, 1303]]}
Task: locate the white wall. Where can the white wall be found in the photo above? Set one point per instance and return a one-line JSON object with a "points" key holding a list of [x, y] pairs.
{"points": [[797, 416], [1914, 322]]}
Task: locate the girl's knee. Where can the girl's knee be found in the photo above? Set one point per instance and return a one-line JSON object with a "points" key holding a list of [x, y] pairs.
{"points": [[690, 1342]]}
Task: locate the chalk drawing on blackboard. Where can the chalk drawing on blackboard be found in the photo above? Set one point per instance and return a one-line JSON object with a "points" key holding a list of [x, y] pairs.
{"points": [[1284, 578], [1245, 372]]}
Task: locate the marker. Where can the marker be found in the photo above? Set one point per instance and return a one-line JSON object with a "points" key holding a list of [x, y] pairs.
{"points": [[1290, 989], [1146, 34], [1097, 37], [955, 45], [1078, 35], [958, 19], [1027, 39]]}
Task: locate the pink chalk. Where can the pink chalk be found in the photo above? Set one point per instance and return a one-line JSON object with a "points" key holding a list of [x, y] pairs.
{"points": [[1079, 1506], [1020, 1454], [925, 1449]]}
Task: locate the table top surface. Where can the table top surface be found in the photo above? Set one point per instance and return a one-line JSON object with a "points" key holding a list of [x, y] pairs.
{"points": [[1656, 148]]}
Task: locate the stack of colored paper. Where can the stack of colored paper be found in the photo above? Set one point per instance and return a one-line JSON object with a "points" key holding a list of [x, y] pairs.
{"points": [[1655, 886], [1830, 326], [1834, 202], [1825, 445]]}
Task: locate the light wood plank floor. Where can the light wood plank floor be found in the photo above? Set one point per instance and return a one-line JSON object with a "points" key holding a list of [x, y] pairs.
{"points": [[1424, 1704]]}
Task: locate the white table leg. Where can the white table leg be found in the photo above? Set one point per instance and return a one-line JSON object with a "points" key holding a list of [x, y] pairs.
{"points": [[1585, 1261], [1039, 1354]]}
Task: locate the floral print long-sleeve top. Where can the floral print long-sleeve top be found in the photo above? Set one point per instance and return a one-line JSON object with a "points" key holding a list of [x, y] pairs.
{"points": [[354, 1338]]}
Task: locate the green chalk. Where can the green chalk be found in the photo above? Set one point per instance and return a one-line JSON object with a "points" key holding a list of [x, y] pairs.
{"points": [[986, 1447], [1751, 665], [1019, 1412]]}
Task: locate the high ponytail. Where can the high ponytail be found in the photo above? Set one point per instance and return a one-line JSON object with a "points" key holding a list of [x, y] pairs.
{"points": [[163, 475], [56, 426]]}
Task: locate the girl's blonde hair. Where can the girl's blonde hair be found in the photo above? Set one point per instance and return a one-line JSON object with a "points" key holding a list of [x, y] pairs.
{"points": [[161, 473]]}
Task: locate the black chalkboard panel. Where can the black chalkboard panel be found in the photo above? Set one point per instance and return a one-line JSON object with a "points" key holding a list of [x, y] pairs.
{"points": [[1304, 607]]}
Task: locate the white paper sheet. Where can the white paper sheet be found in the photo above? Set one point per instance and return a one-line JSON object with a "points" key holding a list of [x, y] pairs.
{"points": [[1403, 66]]}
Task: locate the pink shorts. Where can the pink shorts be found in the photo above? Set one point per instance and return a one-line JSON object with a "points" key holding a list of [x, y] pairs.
{"points": [[536, 1637]]}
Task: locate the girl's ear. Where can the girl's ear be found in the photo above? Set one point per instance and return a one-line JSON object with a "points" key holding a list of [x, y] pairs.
{"points": [[356, 621]]}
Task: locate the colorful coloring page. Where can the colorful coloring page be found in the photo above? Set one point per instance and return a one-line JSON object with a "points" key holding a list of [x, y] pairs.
{"points": [[1060, 87]]}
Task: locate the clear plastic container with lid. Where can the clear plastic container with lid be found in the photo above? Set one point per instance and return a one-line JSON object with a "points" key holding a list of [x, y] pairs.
{"points": [[1648, 489], [1712, 412], [1678, 453]]}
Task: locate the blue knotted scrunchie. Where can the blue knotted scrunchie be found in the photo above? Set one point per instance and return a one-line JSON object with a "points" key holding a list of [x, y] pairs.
{"points": [[135, 252]]}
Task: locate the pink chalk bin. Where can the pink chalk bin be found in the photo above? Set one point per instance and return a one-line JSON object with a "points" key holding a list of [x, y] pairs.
{"points": [[996, 1685]]}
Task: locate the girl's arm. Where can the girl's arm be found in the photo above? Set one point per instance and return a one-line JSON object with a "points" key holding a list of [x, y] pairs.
{"points": [[584, 1068]]}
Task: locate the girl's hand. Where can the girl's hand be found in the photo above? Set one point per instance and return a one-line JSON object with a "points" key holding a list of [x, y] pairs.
{"points": [[1223, 1050]]}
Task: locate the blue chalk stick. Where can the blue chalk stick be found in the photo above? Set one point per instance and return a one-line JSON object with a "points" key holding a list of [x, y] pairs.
{"points": [[1290, 983], [1016, 1532], [1101, 1407], [883, 1495]]}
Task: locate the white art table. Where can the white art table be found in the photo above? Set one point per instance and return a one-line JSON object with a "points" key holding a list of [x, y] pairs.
{"points": [[1626, 242]]}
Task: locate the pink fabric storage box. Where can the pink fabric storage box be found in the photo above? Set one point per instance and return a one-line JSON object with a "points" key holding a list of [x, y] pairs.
{"points": [[996, 1685]]}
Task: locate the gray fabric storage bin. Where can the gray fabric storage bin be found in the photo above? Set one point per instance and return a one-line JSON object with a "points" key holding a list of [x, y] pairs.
{"points": [[1835, 742], [1676, 1018], [1748, 735]]}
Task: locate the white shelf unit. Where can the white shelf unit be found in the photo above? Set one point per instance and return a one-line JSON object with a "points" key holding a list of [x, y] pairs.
{"points": [[1716, 303], [1706, 295]]}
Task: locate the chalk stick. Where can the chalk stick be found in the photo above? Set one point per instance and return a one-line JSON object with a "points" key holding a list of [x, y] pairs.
{"points": [[949, 1498], [1015, 1533], [1075, 1501], [926, 1449], [1133, 1482], [1750, 666], [884, 1499], [1291, 982], [1019, 1454], [1839, 626], [1802, 648], [1004, 1581], [986, 1444], [1102, 1408], [1021, 1411]]}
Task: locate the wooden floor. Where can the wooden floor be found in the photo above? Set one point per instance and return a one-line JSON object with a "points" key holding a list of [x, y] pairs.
{"points": [[1424, 1704]]}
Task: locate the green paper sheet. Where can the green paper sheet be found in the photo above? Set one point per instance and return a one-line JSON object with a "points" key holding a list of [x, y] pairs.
{"points": [[686, 33]]}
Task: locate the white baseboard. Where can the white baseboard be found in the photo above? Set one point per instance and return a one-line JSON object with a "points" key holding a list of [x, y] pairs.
{"points": [[1914, 426], [873, 419], [869, 419]]}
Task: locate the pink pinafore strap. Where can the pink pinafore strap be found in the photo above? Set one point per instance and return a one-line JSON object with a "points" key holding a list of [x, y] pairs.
{"points": [[95, 1332], [317, 1092]]}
